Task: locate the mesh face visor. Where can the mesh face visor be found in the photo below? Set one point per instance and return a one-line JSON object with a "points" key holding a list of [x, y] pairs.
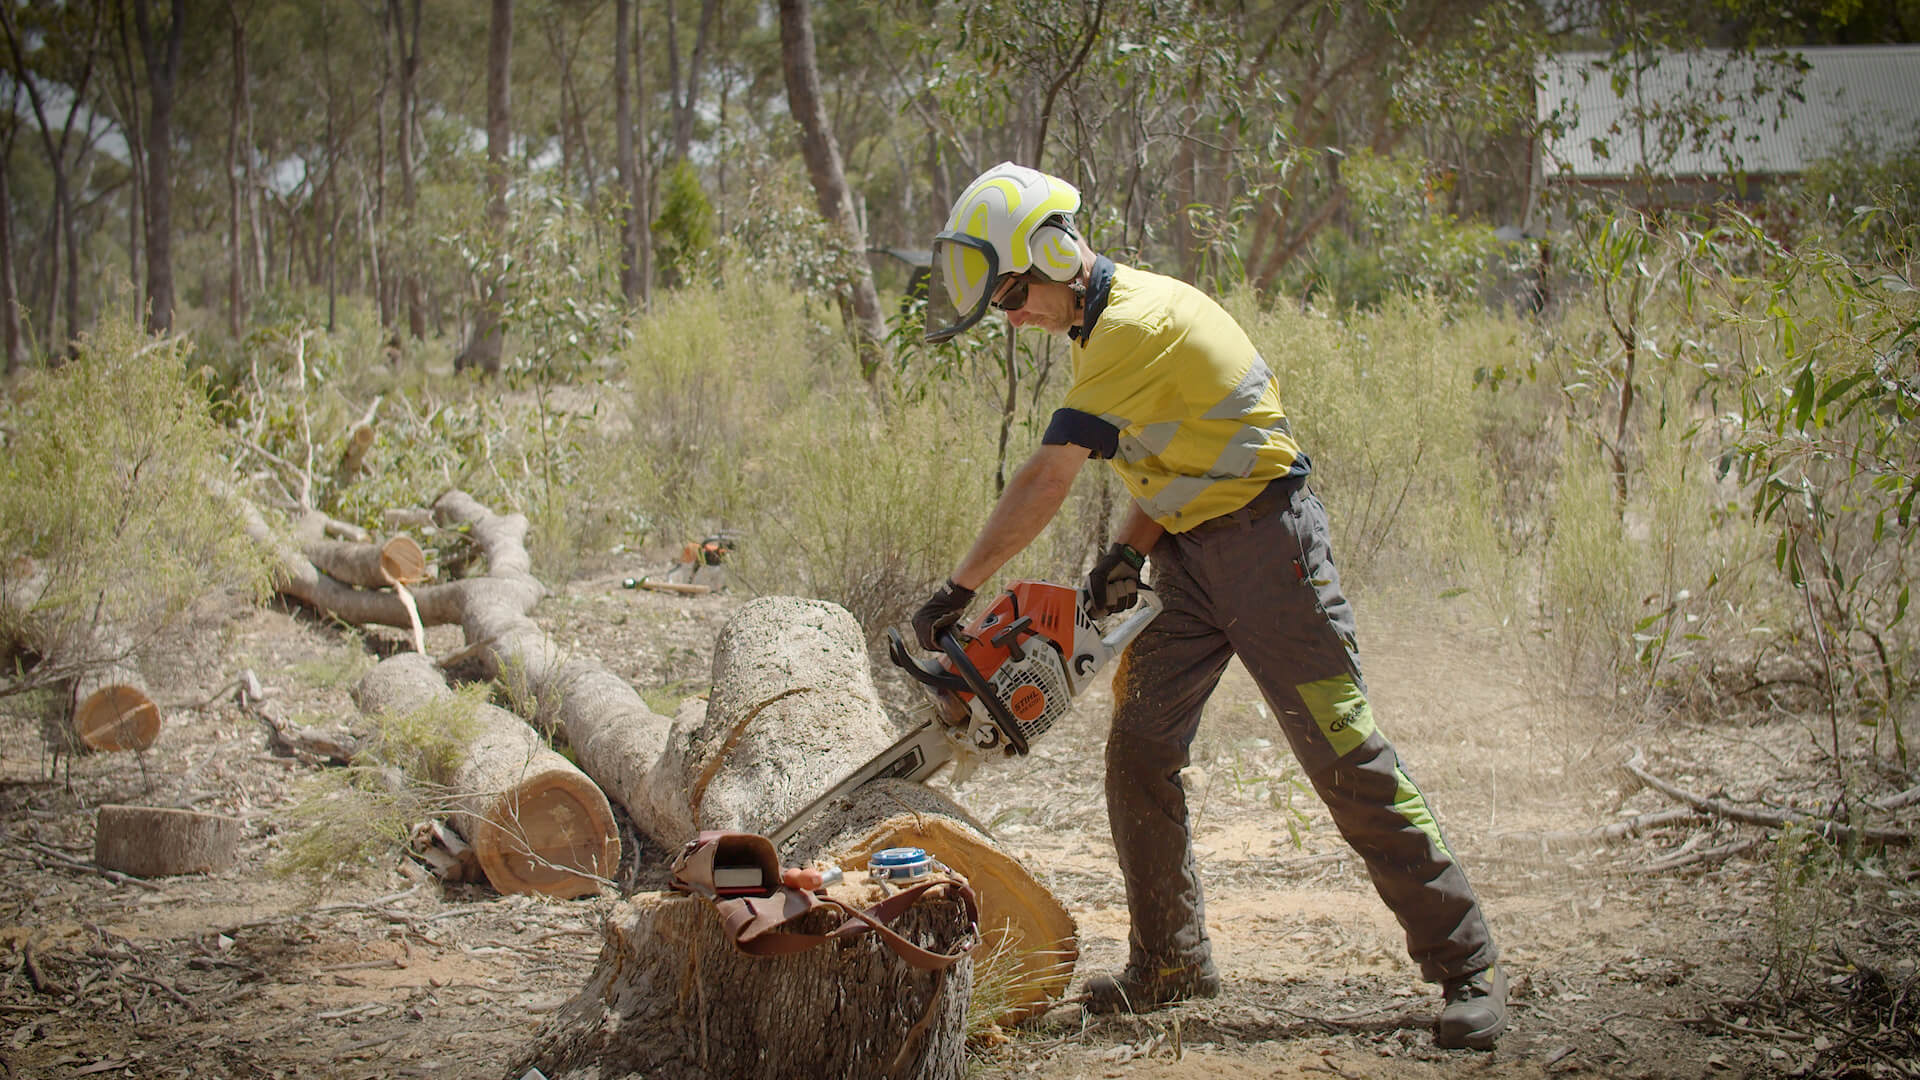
{"points": [[965, 269]]}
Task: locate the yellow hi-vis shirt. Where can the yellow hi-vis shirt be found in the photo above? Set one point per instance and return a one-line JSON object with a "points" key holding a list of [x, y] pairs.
{"points": [[1198, 411]]}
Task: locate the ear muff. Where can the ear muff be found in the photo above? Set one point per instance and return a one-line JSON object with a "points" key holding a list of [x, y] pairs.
{"points": [[1055, 251]]}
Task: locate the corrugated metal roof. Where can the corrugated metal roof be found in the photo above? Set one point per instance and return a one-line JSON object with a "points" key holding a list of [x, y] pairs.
{"points": [[1877, 85]]}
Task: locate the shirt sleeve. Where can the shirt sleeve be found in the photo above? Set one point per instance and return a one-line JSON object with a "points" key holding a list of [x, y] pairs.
{"points": [[1076, 428]]}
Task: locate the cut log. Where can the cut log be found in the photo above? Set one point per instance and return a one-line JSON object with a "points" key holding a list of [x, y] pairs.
{"points": [[113, 711], [369, 566], [671, 997], [153, 841], [793, 709], [1029, 942], [536, 822]]}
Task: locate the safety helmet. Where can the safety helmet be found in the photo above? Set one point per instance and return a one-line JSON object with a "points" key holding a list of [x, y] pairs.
{"points": [[1011, 219]]}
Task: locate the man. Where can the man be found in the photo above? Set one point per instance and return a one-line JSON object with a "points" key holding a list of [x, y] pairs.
{"points": [[1171, 392]]}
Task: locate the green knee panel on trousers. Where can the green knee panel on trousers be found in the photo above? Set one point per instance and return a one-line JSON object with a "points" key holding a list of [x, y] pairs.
{"points": [[1340, 708]]}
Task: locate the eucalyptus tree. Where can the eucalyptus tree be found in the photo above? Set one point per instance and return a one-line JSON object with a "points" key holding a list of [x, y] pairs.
{"points": [[53, 58]]}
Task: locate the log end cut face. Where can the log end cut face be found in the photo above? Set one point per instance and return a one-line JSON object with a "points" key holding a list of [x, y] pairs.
{"points": [[1029, 943], [117, 717], [552, 834]]}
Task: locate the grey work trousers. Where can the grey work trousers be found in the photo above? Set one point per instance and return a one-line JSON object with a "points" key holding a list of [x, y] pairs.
{"points": [[1260, 584]]}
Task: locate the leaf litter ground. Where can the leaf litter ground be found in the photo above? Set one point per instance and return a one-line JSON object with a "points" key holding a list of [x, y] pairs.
{"points": [[1617, 970]]}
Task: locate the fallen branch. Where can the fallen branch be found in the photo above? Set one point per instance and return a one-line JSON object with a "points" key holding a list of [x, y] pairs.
{"points": [[1826, 827], [1897, 802], [1712, 854], [1619, 830]]}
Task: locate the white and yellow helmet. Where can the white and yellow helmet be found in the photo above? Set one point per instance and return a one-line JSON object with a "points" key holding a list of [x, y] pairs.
{"points": [[1011, 219]]}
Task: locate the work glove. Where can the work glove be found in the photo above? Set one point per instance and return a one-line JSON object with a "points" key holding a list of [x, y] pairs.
{"points": [[1114, 582], [941, 611]]}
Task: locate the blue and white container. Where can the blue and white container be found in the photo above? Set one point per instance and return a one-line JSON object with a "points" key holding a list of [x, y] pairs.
{"points": [[900, 865]]}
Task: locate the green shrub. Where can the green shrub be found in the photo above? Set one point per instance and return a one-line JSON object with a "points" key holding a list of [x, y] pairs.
{"points": [[109, 518]]}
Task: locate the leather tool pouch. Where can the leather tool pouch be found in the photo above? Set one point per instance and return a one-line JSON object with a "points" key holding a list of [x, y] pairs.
{"points": [[740, 874]]}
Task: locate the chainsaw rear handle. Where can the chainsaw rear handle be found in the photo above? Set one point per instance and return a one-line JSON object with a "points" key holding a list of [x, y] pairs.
{"points": [[1128, 628]]}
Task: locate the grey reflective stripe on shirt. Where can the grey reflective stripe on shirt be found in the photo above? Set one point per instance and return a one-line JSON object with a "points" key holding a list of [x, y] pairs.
{"points": [[1236, 460], [1243, 398]]}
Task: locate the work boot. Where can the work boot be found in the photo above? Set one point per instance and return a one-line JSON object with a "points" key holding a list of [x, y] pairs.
{"points": [[1140, 989], [1476, 1010]]}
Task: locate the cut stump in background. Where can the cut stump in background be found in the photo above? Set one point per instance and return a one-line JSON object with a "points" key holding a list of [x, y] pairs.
{"points": [[154, 841]]}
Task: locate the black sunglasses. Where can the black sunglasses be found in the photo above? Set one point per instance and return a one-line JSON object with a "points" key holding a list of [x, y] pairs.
{"points": [[1015, 297]]}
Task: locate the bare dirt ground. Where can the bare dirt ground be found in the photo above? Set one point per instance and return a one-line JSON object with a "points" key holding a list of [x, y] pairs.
{"points": [[1620, 967]]}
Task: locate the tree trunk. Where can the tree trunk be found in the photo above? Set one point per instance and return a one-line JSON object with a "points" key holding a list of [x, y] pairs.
{"points": [[793, 709], [409, 72], [236, 294], [163, 66], [829, 180], [671, 998], [153, 841], [9, 289], [484, 350], [113, 711], [630, 221], [368, 566], [536, 823]]}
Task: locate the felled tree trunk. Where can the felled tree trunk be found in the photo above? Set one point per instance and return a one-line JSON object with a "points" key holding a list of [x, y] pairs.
{"points": [[792, 710], [112, 709], [672, 998], [536, 823], [369, 566], [152, 841], [612, 732]]}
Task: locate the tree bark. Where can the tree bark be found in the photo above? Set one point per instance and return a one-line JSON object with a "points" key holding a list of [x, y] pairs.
{"points": [[9, 287], [409, 73], [672, 998], [536, 823], [630, 221], [830, 189], [368, 566], [236, 292], [793, 709], [163, 66], [152, 841], [484, 350]]}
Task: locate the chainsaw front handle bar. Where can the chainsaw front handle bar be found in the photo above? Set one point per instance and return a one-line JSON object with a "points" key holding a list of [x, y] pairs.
{"points": [[963, 678], [997, 710]]}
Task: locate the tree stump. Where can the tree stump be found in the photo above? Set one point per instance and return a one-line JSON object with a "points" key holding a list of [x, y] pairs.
{"points": [[153, 841], [671, 997], [536, 823], [1029, 942]]}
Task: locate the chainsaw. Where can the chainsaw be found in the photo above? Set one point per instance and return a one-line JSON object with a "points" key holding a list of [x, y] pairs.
{"points": [[1002, 682]]}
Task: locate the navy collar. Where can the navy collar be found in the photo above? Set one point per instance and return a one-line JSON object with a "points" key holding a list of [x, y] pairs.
{"points": [[1099, 287]]}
